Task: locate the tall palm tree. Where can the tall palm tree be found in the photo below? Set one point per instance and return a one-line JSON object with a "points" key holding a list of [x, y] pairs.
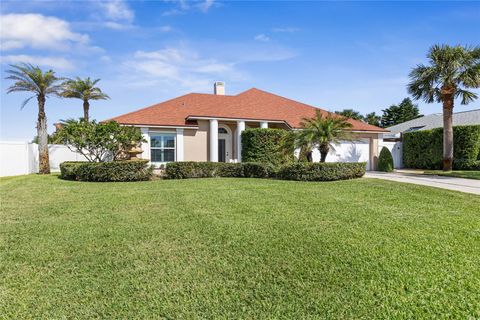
{"points": [[85, 90], [324, 132], [450, 72], [42, 84]]}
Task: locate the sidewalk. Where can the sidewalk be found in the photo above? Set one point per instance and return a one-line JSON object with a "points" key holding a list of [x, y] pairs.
{"points": [[450, 183]]}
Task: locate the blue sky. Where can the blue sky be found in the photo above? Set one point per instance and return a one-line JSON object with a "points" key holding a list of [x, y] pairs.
{"points": [[333, 55]]}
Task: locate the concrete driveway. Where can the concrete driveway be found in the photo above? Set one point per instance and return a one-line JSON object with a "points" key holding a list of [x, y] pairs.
{"points": [[450, 183]]}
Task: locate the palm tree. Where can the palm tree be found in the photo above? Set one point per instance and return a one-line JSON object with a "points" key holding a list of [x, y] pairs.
{"points": [[324, 132], [450, 72], [42, 85], [372, 118], [85, 90]]}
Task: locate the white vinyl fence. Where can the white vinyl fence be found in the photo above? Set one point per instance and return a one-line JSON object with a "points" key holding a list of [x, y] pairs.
{"points": [[396, 148], [17, 157]]}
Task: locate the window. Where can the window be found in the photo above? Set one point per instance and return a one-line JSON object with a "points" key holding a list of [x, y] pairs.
{"points": [[162, 147]]}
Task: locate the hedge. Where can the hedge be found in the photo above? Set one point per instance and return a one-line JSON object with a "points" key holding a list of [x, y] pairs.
{"points": [[385, 160], [191, 169], [323, 171], [264, 146], [134, 170], [424, 149], [297, 171]]}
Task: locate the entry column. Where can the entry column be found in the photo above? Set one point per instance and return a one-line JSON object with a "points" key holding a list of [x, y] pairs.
{"points": [[214, 140], [240, 129]]}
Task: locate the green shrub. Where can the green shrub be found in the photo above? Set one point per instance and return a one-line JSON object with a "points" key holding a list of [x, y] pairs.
{"points": [[135, 170], [191, 169], [264, 145], [424, 149], [257, 170], [385, 160], [322, 171]]}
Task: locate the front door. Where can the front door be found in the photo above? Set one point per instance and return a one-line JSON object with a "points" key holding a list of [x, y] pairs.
{"points": [[224, 144]]}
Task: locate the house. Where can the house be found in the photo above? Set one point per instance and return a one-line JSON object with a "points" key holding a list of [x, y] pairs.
{"points": [[432, 121], [208, 127]]}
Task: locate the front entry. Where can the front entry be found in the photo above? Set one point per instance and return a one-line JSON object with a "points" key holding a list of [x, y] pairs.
{"points": [[224, 144]]}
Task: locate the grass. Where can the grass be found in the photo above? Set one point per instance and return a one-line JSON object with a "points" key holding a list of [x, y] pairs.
{"points": [[470, 174], [237, 248]]}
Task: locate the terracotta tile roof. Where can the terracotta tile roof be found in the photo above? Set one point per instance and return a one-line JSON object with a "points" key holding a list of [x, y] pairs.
{"points": [[252, 104]]}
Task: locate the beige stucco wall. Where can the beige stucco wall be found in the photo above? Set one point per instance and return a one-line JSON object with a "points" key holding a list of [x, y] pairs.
{"points": [[374, 144], [196, 142]]}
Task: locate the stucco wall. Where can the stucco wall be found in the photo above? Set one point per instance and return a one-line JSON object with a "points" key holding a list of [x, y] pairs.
{"points": [[196, 142], [374, 139]]}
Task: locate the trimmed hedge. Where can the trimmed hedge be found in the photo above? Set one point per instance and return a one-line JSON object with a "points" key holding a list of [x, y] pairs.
{"points": [[385, 160], [323, 171], [297, 171], [135, 170], [264, 146], [191, 169], [424, 149]]}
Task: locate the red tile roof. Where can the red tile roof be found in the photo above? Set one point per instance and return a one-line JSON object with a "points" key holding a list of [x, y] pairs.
{"points": [[252, 104]]}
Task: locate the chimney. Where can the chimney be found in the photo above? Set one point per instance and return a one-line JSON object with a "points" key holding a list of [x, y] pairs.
{"points": [[219, 88]]}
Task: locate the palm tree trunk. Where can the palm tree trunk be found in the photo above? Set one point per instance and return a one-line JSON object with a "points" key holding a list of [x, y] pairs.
{"points": [[448, 133], [324, 148], [44, 161], [86, 106]]}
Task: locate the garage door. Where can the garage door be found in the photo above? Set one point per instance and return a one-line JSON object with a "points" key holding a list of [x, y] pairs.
{"points": [[356, 151]]}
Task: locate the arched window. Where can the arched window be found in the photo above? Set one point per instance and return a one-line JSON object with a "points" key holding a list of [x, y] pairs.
{"points": [[222, 130]]}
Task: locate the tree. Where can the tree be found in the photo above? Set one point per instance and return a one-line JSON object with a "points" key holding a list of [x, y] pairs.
{"points": [[372, 118], [324, 132], [99, 142], [42, 84], [350, 113], [85, 90], [400, 113], [451, 71]]}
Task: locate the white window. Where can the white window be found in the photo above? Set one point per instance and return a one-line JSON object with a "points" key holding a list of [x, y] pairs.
{"points": [[162, 147]]}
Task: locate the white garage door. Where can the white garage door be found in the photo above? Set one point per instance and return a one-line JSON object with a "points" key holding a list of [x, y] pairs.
{"points": [[356, 151]]}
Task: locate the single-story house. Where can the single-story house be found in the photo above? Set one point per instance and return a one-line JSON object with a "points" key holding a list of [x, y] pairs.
{"points": [[208, 127], [432, 121]]}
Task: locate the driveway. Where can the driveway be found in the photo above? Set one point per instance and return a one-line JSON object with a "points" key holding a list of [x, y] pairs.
{"points": [[450, 183]]}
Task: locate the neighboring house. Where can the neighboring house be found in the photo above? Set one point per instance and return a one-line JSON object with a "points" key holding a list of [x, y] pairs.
{"points": [[208, 127], [432, 121]]}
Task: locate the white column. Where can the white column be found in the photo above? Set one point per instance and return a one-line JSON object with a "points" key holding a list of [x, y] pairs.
{"points": [[179, 145], [264, 124], [214, 140], [240, 129], [145, 145]]}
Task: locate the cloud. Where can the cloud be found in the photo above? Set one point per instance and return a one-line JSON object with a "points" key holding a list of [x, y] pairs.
{"points": [[183, 6], [37, 31], [262, 37], [117, 10], [53, 62], [288, 29], [179, 67]]}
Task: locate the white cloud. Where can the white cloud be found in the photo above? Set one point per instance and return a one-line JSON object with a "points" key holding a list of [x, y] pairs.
{"points": [[53, 62], [262, 37], [117, 10], [183, 6], [287, 29], [37, 31]]}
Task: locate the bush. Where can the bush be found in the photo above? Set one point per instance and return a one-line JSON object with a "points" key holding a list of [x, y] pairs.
{"points": [[135, 170], [264, 146], [424, 149], [322, 171], [385, 160], [191, 169]]}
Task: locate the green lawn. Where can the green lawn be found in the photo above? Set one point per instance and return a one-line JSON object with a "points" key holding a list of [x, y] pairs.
{"points": [[471, 174], [237, 248]]}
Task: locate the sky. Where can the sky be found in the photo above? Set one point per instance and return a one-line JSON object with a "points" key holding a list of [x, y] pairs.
{"points": [[332, 55]]}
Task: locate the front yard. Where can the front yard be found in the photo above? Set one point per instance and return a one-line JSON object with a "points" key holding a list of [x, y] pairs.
{"points": [[237, 248]]}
